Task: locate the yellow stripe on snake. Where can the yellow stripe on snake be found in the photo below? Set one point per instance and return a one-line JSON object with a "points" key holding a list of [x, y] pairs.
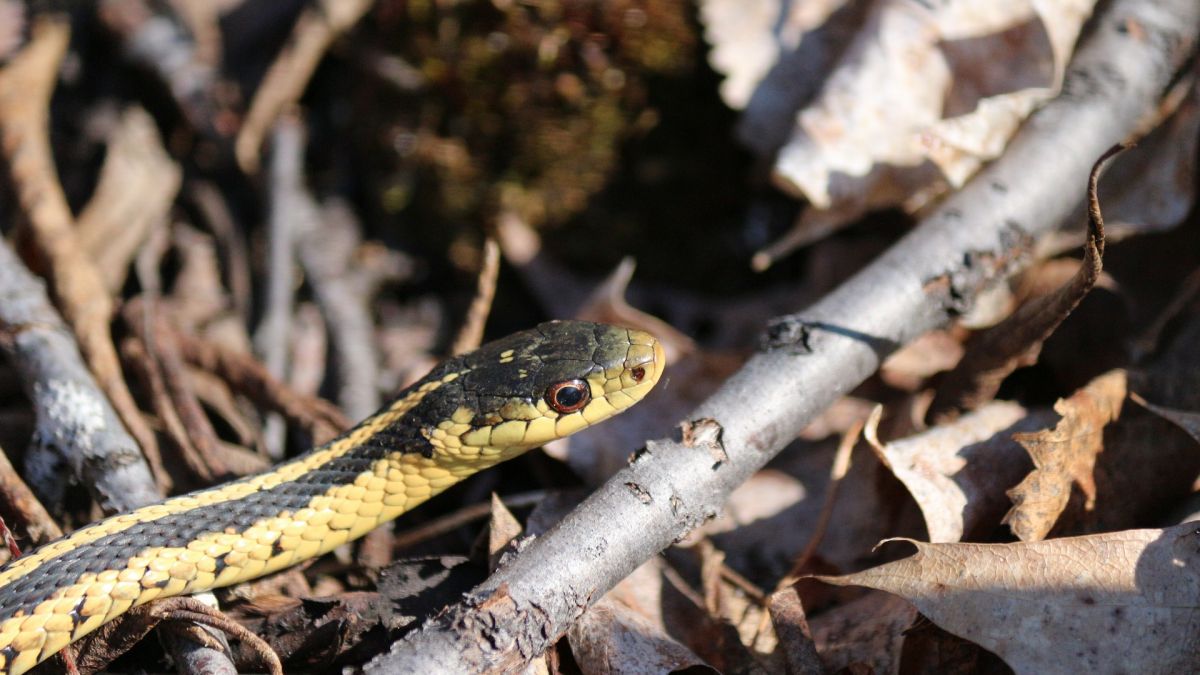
{"points": [[468, 414]]}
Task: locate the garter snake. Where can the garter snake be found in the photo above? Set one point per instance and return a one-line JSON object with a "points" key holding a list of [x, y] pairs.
{"points": [[468, 414]]}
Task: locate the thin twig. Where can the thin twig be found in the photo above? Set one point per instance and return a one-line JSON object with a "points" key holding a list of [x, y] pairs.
{"points": [[16, 499], [288, 213], [152, 326], [153, 39], [837, 473], [248, 376], [283, 84], [344, 280], [452, 521], [470, 336], [211, 204], [138, 358]]}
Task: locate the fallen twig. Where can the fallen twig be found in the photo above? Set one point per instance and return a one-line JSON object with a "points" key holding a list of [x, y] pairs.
{"points": [[139, 359], [115, 638], [812, 358], [471, 334], [159, 340], [344, 287], [290, 213], [137, 187], [76, 426], [283, 84], [153, 39], [211, 204], [25, 88], [248, 376], [32, 520]]}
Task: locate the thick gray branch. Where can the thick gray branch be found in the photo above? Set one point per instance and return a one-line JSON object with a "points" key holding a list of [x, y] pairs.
{"points": [[978, 235], [76, 426]]}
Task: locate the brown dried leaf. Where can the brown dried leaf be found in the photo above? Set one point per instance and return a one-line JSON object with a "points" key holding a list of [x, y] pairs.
{"points": [[1118, 602], [612, 638], [502, 532], [864, 635], [1065, 455], [958, 473], [930, 650], [910, 366], [312, 633], [1017, 340], [1188, 421], [795, 637]]}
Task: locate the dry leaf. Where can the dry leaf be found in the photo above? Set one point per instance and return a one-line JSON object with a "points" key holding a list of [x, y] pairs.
{"points": [[910, 366], [930, 650], [774, 56], [794, 635], [503, 531], [958, 472], [1018, 340], [1119, 602], [1152, 188], [1065, 455], [866, 632], [607, 304], [922, 97], [1188, 421], [611, 638]]}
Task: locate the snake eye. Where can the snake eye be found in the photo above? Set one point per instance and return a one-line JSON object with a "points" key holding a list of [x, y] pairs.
{"points": [[568, 396]]}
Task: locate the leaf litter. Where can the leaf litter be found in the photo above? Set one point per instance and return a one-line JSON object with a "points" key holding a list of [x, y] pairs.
{"points": [[849, 106]]}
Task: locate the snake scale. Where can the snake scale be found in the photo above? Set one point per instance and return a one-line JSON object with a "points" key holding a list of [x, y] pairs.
{"points": [[468, 414]]}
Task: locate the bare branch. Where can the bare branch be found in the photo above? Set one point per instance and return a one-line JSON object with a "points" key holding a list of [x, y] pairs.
{"points": [[76, 426], [976, 237]]}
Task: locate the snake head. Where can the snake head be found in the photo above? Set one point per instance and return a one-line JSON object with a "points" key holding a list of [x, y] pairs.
{"points": [[539, 385]]}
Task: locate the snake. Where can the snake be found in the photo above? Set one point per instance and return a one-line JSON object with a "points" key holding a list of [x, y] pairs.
{"points": [[467, 414]]}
